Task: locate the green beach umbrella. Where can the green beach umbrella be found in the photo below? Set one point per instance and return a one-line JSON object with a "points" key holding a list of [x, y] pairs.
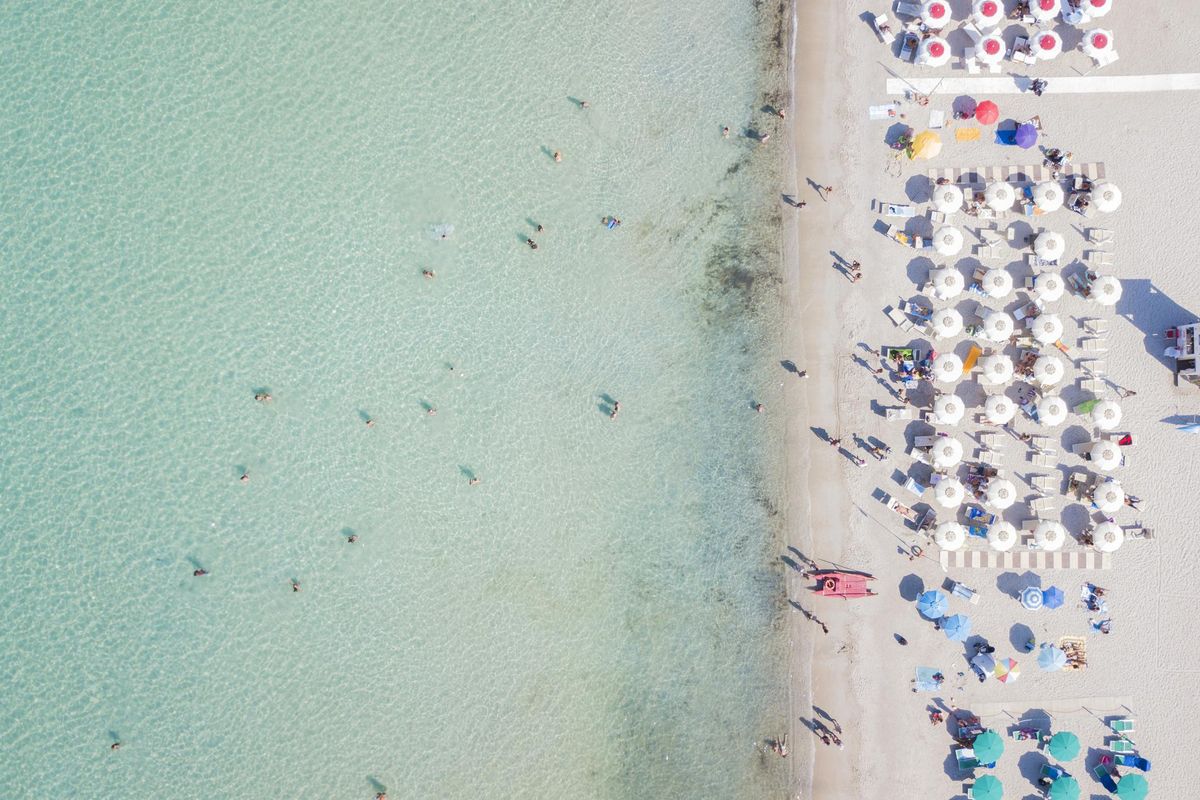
{"points": [[1132, 787], [987, 788], [988, 747], [1064, 746], [1064, 788]]}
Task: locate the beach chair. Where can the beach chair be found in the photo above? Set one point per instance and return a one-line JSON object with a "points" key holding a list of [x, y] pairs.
{"points": [[909, 49], [1098, 258], [1042, 505], [1104, 775], [1122, 726], [937, 119], [902, 210], [1042, 484], [1043, 460], [990, 457], [1137, 762], [916, 488], [885, 111], [991, 441], [1096, 326], [1093, 345], [1100, 236], [1043, 444], [1138, 532], [1121, 745], [898, 412], [970, 64], [880, 23], [987, 252], [908, 9], [1093, 385], [972, 31], [1104, 59], [1095, 367]]}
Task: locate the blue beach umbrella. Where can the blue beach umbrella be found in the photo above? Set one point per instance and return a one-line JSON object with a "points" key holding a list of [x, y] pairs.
{"points": [[1026, 136], [1051, 658], [1052, 597], [957, 628], [1032, 598], [932, 604]]}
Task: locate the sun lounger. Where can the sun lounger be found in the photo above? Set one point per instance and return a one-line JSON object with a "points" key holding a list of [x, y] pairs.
{"points": [[880, 23], [991, 441], [1095, 367], [966, 759], [908, 9], [1104, 775], [924, 441], [1018, 53], [902, 210], [1122, 726], [925, 681], [916, 488], [1104, 59], [1043, 484], [1043, 444], [1042, 505], [990, 457], [1043, 460], [898, 412], [1096, 326], [1100, 236], [1121, 745], [919, 455], [1093, 385], [1138, 532], [970, 64], [1137, 762], [1093, 345], [909, 48], [885, 111], [1098, 258]]}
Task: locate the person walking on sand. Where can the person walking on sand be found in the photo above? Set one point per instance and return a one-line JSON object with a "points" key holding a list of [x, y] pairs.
{"points": [[1123, 392], [856, 267], [802, 373], [782, 113], [826, 191], [834, 442]]}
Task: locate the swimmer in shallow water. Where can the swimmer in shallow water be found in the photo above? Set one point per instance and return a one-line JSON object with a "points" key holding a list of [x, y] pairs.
{"points": [[263, 397]]}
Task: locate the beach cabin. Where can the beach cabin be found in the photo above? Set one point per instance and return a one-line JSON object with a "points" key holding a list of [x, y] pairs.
{"points": [[1184, 349]]}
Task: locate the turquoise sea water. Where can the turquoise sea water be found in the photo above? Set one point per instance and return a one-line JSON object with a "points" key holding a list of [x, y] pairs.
{"points": [[198, 202]]}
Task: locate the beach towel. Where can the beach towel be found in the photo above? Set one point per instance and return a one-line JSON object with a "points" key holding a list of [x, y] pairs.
{"points": [[937, 118], [967, 134], [925, 681], [1007, 138], [886, 111]]}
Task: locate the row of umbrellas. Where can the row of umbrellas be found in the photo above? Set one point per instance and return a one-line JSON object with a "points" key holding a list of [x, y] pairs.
{"points": [[1034, 598], [1002, 536], [950, 409], [948, 283], [934, 51], [997, 369], [1064, 787], [988, 14]]}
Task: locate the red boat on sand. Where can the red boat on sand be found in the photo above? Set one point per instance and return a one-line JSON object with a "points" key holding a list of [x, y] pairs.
{"points": [[847, 585]]}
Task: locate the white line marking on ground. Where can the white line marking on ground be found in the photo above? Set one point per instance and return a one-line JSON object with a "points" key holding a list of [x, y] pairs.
{"points": [[1016, 84]]}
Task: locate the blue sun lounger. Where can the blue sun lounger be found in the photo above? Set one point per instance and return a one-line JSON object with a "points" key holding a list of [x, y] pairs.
{"points": [[1137, 762], [1105, 777], [924, 681]]}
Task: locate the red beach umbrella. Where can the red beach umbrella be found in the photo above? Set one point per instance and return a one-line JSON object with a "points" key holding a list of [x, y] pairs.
{"points": [[986, 113], [991, 49]]}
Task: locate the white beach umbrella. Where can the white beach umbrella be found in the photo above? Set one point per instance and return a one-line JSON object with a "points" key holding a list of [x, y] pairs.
{"points": [[1097, 43], [1048, 286], [997, 283], [1105, 455], [947, 198], [1047, 328], [947, 368], [934, 52], [1048, 196], [1047, 45], [999, 196], [1048, 370], [949, 536], [1106, 415], [946, 451], [1052, 411], [1106, 290], [1050, 245], [990, 49], [947, 282], [998, 326], [948, 240], [1108, 537], [949, 493], [999, 409], [1050, 535], [949, 409], [1106, 197], [1001, 493], [1044, 10], [1002, 536], [997, 369], [1109, 496], [1094, 9], [946, 322], [987, 13], [935, 14]]}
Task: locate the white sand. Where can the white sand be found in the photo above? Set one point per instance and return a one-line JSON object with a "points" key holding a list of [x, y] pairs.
{"points": [[1152, 659]]}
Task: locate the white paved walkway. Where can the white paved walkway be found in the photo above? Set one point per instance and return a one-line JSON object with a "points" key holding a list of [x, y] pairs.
{"points": [[1026, 559], [1016, 84]]}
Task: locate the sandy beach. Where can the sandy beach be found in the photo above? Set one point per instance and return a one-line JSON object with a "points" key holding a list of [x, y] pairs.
{"points": [[858, 674]]}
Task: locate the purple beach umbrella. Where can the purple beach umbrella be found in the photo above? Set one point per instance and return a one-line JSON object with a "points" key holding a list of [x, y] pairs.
{"points": [[1026, 136]]}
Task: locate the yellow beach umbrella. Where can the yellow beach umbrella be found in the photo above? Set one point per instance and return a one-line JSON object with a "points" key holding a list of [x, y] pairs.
{"points": [[927, 144]]}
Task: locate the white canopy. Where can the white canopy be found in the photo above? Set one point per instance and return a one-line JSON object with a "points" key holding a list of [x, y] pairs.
{"points": [[934, 52], [935, 14], [1097, 8], [946, 322], [1109, 496], [1048, 196], [1047, 328], [1106, 290], [949, 493], [1001, 493], [1097, 43], [1106, 415], [1106, 197], [999, 196], [997, 369], [949, 536], [987, 13], [1048, 370], [1048, 286], [990, 49], [998, 326], [1108, 537], [946, 451], [947, 368], [997, 283], [1002, 536], [947, 282], [1106, 456], [999, 409], [949, 409], [1050, 535], [948, 240], [1050, 245], [1052, 411], [1044, 10], [947, 198], [1047, 45]]}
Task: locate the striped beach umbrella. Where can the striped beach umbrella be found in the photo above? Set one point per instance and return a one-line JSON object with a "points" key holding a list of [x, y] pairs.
{"points": [[948, 282], [1001, 494], [1050, 535], [1097, 43], [1047, 45], [1064, 788], [1007, 670], [1045, 10], [990, 49], [947, 451], [997, 283], [1050, 245], [1031, 598], [987, 787], [999, 409], [987, 13], [1106, 414], [1002, 536], [947, 198], [999, 195], [949, 535], [1105, 290], [1048, 286], [1132, 787], [1048, 370], [957, 629], [934, 52], [948, 240], [935, 14], [998, 326], [996, 369], [932, 604], [947, 368], [1052, 659], [1047, 328], [949, 410], [1106, 197], [988, 747], [1108, 537], [1048, 196], [949, 493], [1109, 496], [1052, 411]]}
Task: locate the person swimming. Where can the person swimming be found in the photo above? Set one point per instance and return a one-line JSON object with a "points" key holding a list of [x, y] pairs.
{"points": [[532, 244], [428, 273], [245, 477], [199, 573], [263, 397]]}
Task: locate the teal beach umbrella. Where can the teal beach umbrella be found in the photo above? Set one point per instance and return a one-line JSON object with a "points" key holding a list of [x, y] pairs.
{"points": [[987, 788], [1132, 787], [1064, 788], [988, 747], [1064, 746]]}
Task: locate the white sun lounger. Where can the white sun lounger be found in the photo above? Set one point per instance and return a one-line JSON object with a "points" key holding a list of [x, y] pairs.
{"points": [[1100, 236], [1096, 367], [1093, 345], [879, 22], [1096, 326], [908, 9]]}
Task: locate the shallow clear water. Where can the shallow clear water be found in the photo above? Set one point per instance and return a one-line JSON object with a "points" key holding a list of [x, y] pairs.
{"points": [[201, 202]]}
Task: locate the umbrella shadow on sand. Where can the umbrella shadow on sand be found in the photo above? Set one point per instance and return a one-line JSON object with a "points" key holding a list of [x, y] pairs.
{"points": [[911, 586], [1019, 635], [1013, 584]]}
